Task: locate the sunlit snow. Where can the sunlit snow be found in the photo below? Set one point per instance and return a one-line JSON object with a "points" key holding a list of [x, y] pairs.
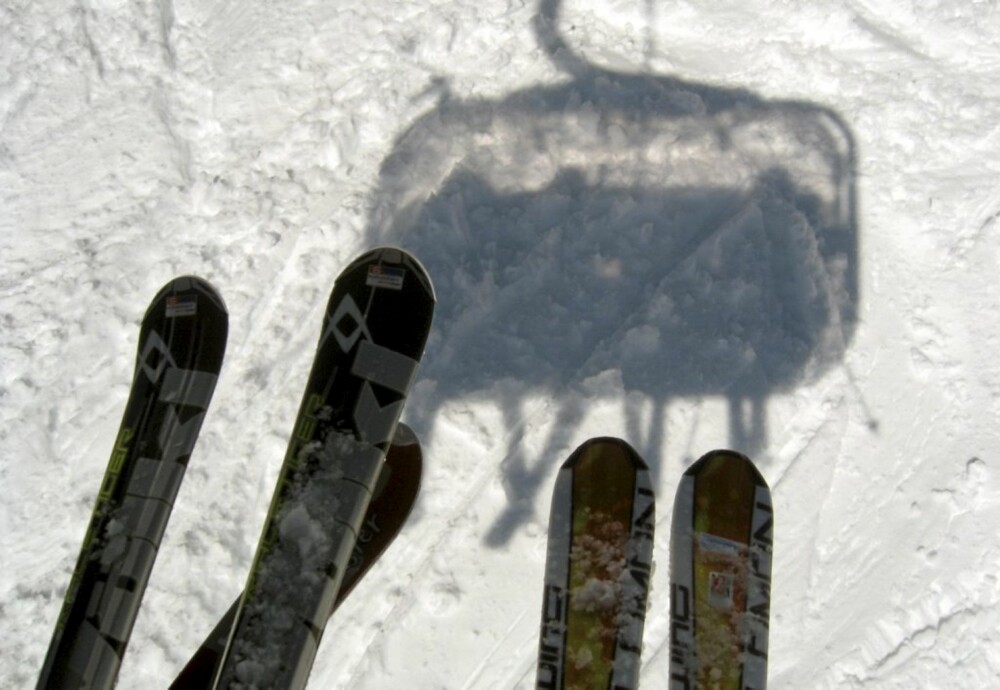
{"points": [[759, 225]]}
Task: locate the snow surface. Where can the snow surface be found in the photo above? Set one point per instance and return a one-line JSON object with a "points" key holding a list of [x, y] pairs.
{"points": [[773, 226]]}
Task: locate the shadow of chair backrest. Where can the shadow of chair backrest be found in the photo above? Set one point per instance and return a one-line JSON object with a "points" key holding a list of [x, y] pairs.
{"points": [[701, 241]]}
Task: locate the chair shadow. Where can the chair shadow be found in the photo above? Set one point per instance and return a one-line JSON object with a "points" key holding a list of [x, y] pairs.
{"points": [[682, 239]]}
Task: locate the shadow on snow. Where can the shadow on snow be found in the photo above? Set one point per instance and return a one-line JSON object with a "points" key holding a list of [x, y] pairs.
{"points": [[628, 235]]}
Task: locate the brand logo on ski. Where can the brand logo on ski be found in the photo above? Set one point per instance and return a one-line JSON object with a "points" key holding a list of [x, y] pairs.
{"points": [[377, 365], [181, 305], [680, 634], [552, 639], [759, 590], [346, 325], [383, 276], [155, 357], [369, 530]]}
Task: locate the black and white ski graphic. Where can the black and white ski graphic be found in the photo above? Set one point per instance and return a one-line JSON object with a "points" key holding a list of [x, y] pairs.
{"points": [[720, 575], [597, 570], [181, 345], [373, 336], [393, 499]]}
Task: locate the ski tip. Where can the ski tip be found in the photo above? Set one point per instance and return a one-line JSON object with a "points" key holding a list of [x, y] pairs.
{"points": [[605, 449], [405, 436], [395, 256], [189, 285], [729, 461]]}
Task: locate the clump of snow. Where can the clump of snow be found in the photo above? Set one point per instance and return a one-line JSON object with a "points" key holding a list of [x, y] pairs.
{"points": [[115, 542], [596, 595], [298, 528], [318, 513]]}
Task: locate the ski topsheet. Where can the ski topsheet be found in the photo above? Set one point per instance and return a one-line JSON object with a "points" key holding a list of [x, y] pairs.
{"points": [[597, 570], [392, 501], [373, 336], [720, 571], [181, 345]]}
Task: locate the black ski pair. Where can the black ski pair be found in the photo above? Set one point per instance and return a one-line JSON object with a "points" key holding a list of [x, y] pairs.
{"points": [[323, 529]]}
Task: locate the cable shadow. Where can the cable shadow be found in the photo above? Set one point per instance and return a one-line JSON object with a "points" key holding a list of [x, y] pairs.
{"points": [[627, 235]]}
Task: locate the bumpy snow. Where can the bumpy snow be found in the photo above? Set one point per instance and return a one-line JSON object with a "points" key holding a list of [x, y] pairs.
{"points": [[762, 225]]}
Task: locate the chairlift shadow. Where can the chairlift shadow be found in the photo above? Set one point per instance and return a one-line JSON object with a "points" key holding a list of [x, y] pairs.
{"points": [[701, 241]]}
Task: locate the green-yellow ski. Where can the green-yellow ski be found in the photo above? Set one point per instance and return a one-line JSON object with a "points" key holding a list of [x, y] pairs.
{"points": [[720, 571], [597, 570]]}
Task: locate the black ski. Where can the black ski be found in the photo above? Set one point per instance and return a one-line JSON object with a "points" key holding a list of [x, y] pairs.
{"points": [[392, 501], [180, 351], [597, 570], [377, 322]]}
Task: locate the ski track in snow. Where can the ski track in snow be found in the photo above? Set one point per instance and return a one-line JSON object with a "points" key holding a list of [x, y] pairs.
{"points": [[691, 225]]}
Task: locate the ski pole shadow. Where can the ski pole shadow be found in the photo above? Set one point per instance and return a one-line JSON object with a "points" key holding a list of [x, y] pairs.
{"points": [[645, 235]]}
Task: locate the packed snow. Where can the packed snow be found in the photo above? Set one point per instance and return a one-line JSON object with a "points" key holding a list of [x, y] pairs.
{"points": [[767, 226]]}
